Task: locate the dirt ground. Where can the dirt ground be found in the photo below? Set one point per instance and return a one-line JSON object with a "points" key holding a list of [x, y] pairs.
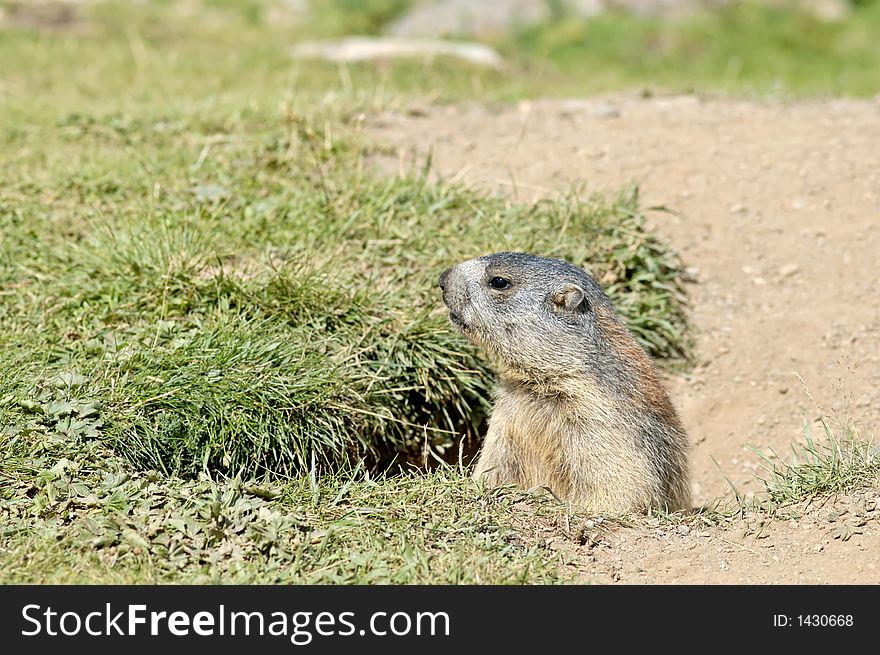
{"points": [[776, 209]]}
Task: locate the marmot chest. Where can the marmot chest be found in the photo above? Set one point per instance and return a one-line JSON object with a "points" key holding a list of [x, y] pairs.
{"points": [[546, 433]]}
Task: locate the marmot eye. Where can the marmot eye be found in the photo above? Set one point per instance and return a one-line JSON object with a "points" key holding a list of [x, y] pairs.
{"points": [[499, 283]]}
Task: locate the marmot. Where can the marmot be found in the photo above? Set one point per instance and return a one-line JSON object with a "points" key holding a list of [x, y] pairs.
{"points": [[580, 407]]}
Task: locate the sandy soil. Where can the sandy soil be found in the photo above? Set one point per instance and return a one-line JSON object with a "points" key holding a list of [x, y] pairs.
{"points": [[776, 207]]}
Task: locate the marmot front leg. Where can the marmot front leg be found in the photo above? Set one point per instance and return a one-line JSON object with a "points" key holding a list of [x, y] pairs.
{"points": [[496, 463]]}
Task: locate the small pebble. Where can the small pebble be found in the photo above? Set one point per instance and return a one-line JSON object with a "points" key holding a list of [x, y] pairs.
{"points": [[788, 270]]}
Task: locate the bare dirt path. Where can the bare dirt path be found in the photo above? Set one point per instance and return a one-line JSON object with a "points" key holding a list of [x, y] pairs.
{"points": [[777, 209]]}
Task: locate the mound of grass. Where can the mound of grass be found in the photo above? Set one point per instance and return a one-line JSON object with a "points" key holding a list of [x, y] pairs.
{"points": [[295, 322]]}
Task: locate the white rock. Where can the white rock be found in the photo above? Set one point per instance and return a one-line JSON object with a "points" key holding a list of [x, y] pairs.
{"points": [[366, 48]]}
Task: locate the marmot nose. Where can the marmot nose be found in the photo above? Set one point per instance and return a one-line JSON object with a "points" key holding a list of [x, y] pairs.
{"points": [[443, 277]]}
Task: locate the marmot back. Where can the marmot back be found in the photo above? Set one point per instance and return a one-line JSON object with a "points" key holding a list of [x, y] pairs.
{"points": [[580, 407]]}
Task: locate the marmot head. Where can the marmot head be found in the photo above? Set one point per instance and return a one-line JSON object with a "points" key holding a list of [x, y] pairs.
{"points": [[539, 317]]}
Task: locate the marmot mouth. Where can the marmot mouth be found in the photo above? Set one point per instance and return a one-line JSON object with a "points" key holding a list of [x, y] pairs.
{"points": [[457, 320]]}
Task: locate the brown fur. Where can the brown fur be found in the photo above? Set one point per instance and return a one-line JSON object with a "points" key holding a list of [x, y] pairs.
{"points": [[650, 388], [533, 441]]}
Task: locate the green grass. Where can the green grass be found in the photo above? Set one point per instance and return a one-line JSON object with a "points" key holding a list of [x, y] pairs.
{"points": [[91, 519], [206, 56], [838, 460], [742, 48]]}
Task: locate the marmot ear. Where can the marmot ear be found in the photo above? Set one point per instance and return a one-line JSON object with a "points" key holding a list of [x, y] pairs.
{"points": [[569, 297]]}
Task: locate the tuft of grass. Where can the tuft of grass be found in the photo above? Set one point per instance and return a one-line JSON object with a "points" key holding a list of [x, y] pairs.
{"points": [[835, 461]]}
